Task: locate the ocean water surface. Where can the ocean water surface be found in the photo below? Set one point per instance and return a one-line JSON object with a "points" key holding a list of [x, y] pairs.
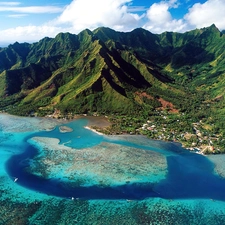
{"points": [[41, 163]]}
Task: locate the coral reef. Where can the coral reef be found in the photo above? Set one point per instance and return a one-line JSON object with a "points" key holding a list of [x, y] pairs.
{"points": [[108, 163], [105, 164]]}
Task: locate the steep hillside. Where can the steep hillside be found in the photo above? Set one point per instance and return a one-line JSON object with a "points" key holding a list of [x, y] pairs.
{"points": [[135, 73], [93, 71]]}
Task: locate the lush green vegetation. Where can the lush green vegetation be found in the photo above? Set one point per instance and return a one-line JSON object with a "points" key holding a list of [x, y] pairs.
{"points": [[168, 86]]}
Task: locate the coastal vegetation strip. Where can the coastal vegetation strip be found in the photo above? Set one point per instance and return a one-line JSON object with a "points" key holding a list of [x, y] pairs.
{"points": [[166, 126]]}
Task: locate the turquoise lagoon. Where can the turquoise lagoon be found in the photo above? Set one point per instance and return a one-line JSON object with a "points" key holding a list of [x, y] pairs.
{"points": [[76, 176]]}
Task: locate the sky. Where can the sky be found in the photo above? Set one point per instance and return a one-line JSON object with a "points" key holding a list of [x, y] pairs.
{"points": [[32, 20]]}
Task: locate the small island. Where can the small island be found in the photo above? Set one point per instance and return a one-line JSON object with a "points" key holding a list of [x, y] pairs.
{"points": [[65, 129]]}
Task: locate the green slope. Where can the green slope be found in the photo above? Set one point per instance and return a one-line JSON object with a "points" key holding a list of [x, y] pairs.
{"points": [[115, 72]]}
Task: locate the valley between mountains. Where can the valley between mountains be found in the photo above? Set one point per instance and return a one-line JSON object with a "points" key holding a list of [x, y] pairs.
{"points": [[167, 86]]}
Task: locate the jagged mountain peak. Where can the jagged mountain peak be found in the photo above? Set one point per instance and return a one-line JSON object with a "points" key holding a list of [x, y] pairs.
{"points": [[212, 28], [85, 32], [78, 72], [65, 37], [105, 34]]}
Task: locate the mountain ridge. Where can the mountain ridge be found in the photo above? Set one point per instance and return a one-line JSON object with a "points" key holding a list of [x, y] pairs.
{"points": [[170, 78], [76, 72]]}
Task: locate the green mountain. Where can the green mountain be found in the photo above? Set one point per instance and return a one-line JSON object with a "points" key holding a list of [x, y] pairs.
{"points": [[100, 71], [109, 72]]}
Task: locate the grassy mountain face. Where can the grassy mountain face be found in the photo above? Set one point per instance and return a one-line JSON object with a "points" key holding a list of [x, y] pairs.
{"points": [[114, 72]]}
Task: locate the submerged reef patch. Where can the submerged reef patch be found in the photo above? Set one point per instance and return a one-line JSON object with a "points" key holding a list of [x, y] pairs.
{"points": [[106, 164], [65, 129], [83, 212], [219, 166]]}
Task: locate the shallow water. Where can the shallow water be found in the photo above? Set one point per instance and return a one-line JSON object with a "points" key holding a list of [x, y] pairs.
{"points": [[131, 175], [189, 175]]}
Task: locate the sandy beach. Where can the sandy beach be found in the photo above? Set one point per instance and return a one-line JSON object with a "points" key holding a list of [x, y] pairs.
{"points": [[93, 130]]}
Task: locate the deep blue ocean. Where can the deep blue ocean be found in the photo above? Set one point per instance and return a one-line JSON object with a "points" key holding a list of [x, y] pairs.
{"points": [[189, 176]]}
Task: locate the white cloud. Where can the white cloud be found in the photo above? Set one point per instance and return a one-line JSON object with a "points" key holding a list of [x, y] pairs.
{"points": [[78, 15], [31, 9], [203, 15], [160, 19], [117, 14], [10, 3], [81, 14], [29, 33], [136, 9], [16, 15]]}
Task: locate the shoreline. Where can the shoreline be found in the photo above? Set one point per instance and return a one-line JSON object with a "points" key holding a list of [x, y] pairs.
{"points": [[98, 124], [197, 150], [93, 130]]}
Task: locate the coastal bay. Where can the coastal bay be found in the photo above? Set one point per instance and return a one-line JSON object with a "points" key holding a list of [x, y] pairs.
{"points": [[137, 177]]}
